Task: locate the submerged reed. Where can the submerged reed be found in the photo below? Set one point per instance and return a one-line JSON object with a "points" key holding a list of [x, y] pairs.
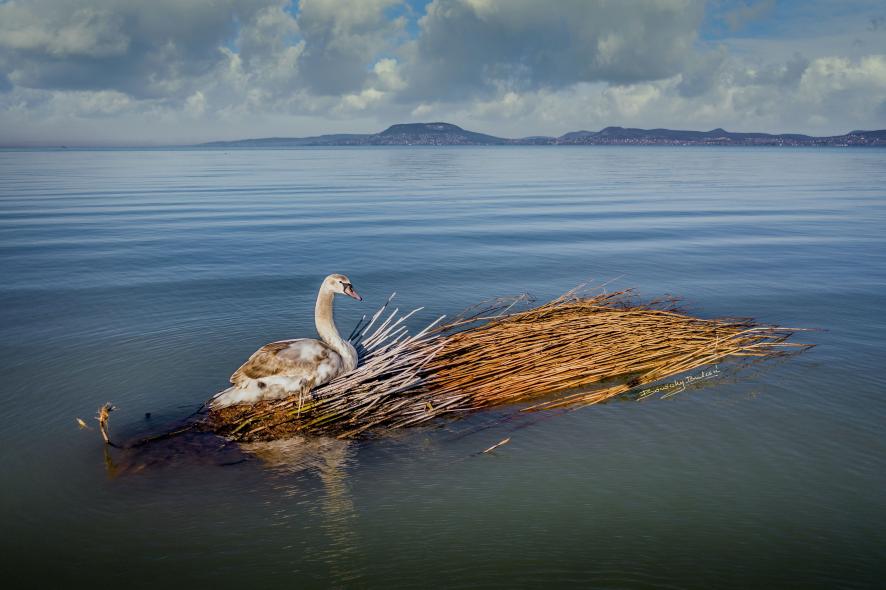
{"points": [[492, 355]]}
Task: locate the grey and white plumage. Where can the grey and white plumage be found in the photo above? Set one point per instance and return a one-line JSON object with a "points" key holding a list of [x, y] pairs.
{"points": [[290, 367]]}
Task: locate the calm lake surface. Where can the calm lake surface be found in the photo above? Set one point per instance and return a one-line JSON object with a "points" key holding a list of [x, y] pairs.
{"points": [[146, 277]]}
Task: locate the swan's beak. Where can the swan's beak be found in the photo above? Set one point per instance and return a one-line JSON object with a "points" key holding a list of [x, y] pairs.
{"points": [[349, 291]]}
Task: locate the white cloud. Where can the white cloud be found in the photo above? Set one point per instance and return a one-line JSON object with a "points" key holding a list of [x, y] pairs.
{"points": [[833, 74], [468, 47], [166, 70], [342, 39], [387, 72], [84, 31], [196, 104], [361, 101]]}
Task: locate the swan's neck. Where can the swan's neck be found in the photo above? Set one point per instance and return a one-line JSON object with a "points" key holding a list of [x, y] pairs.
{"points": [[327, 330]]}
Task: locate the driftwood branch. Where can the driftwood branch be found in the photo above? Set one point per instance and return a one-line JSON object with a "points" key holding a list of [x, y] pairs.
{"points": [[104, 413]]}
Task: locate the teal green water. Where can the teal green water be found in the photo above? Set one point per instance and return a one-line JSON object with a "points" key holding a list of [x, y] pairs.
{"points": [[147, 277]]}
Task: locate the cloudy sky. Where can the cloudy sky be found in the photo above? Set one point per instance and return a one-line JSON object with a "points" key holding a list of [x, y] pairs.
{"points": [[179, 71]]}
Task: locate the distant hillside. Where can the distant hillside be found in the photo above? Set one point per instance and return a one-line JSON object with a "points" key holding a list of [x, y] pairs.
{"points": [[432, 134], [621, 135], [449, 134]]}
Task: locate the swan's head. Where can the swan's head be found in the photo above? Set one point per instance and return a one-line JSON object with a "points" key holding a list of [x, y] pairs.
{"points": [[341, 284]]}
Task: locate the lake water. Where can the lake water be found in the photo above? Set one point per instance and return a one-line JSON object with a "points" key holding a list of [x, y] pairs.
{"points": [[145, 277]]}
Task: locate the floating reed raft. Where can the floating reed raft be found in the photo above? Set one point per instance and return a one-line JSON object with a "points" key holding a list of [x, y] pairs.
{"points": [[492, 355]]}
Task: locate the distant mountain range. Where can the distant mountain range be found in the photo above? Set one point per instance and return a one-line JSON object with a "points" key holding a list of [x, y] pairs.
{"points": [[448, 134]]}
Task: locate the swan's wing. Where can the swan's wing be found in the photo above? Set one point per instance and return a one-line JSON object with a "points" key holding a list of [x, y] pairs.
{"points": [[303, 357]]}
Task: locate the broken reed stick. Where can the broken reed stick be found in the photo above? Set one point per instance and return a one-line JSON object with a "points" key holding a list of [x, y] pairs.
{"points": [[496, 445], [491, 355], [104, 413]]}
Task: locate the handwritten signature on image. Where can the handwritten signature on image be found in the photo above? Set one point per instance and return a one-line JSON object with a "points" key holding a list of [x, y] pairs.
{"points": [[678, 385]]}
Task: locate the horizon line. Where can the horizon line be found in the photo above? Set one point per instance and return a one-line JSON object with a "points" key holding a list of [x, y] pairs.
{"points": [[157, 145]]}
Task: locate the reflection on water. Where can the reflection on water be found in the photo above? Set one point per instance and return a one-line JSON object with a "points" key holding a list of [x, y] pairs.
{"points": [[178, 451], [291, 455], [330, 459], [147, 277]]}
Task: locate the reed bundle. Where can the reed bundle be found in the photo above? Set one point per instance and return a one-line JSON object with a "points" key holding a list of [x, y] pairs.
{"points": [[492, 355]]}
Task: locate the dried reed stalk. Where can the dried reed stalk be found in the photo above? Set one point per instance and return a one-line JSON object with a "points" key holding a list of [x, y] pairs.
{"points": [[491, 355]]}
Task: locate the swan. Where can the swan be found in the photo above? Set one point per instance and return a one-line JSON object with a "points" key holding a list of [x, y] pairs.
{"points": [[287, 367]]}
